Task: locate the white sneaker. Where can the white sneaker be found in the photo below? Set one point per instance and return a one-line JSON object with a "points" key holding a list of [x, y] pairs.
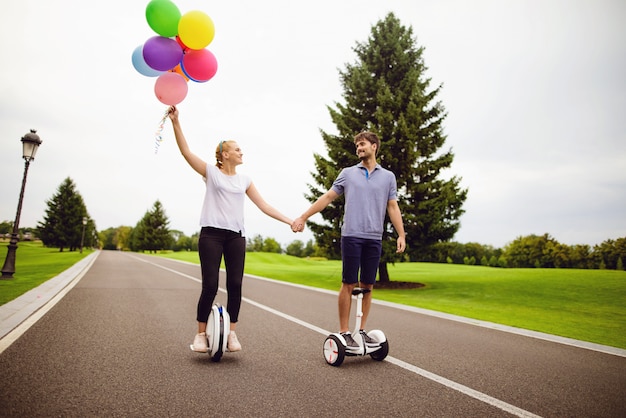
{"points": [[200, 343], [233, 342]]}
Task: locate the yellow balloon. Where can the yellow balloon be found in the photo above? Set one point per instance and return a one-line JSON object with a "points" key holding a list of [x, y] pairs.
{"points": [[196, 29]]}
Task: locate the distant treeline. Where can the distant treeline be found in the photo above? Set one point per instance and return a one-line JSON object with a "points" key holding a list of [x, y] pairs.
{"points": [[534, 251]]}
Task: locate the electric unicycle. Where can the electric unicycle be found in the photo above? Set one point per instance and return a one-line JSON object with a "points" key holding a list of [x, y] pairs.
{"points": [[335, 347], [217, 330]]}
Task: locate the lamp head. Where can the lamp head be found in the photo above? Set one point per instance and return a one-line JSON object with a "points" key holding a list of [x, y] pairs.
{"points": [[30, 143]]}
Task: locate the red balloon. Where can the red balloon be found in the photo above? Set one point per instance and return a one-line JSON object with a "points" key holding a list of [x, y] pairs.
{"points": [[184, 47], [199, 65], [170, 88]]}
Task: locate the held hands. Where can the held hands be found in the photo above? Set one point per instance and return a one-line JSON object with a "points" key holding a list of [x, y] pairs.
{"points": [[298, 225]]}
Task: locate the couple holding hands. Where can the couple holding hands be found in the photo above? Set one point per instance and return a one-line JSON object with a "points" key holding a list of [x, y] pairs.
{"points": [[370, 192]]}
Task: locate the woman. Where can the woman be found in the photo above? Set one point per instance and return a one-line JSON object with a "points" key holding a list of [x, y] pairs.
{"points": [[222, 230]]}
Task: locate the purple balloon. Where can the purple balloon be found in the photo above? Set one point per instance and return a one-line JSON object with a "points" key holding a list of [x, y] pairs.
{"points": [[140, 64], [162, 53]]}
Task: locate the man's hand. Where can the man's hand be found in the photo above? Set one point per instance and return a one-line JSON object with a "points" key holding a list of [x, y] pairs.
{"points": [[401, 244], [298, 225]]}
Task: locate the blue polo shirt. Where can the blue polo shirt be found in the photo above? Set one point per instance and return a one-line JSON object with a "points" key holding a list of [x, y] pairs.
{"points": [[366, 197]]}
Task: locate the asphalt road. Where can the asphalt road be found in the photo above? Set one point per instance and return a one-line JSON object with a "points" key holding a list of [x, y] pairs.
{"points": [[117, 345]]}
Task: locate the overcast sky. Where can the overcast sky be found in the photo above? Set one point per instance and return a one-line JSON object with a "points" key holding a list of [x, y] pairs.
{"points": [[535, 92]]}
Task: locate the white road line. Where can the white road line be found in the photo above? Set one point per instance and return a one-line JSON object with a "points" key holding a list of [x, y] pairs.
{"points": [[511, 409], [11, 337]]}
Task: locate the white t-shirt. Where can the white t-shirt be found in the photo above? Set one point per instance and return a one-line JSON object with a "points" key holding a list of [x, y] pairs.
{"points": [[224, 199]]}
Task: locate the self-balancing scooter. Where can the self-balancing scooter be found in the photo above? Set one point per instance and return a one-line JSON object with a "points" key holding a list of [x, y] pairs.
{"points": [[335, 347], [218, 328]]}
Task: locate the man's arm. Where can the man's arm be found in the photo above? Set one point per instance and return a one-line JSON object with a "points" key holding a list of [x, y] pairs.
{"points": [[396, 219], [319, 205]]}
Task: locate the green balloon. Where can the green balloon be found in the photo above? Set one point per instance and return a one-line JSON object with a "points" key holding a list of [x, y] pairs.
{"points": [[163, 17]]}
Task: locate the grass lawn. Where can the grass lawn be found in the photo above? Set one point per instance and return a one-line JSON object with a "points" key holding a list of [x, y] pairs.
{"points": [[34, 264], [588, 305]]}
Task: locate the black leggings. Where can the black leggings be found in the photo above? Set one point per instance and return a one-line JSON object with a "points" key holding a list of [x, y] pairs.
{"points": [[214, 242]]}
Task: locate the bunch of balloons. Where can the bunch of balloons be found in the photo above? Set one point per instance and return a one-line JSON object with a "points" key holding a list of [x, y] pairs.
{"points": [[178, 53]]}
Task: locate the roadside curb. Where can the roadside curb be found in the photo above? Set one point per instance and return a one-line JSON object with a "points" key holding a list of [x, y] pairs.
{"points": [[13, 313]]}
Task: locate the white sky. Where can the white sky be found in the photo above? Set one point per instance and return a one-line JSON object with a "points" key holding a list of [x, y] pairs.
{"points": [[535, 92]]}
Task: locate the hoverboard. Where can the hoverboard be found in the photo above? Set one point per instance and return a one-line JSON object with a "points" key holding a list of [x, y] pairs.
{"points": [[335, 348], [218, 328]]}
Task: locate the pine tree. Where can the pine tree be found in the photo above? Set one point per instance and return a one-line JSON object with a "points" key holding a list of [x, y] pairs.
{"points": [[63, 222], [386, 91], [151, 233]]}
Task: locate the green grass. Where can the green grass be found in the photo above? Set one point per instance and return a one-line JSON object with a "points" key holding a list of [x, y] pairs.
{"points": [[588, 305], [34, 264]]}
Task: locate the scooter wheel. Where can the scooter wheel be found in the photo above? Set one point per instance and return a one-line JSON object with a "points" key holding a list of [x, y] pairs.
{"points": [[216, 357], [334, 351], [381, 353]]}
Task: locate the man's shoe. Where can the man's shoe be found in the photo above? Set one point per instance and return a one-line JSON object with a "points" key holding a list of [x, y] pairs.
{"points": [[233, 342], [200, 343], [368, 340], [350, 343]]}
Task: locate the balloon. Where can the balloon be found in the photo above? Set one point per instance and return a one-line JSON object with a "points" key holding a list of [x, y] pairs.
{"points": [[199, 65], [179, 70], [163, 17], [196, 29], [140, 64], [162, 53], [170, 88], [182, 45]]}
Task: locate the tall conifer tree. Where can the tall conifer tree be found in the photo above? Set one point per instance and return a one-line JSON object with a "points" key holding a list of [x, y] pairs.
{"points": [[152, 233], [386, 91], [63, 222]]}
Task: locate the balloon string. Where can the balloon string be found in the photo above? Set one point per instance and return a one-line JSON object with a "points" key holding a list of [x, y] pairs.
{"points": [[158, 137]]}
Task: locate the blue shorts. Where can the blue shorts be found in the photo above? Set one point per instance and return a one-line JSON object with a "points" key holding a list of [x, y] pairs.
{"points": [[360, 254]]}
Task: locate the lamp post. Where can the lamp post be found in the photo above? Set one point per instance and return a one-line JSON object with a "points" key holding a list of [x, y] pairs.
{"points": [[30, 143], [82, 238]]}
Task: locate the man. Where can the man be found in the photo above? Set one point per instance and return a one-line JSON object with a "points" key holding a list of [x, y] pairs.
{"points": [[369, 191]]}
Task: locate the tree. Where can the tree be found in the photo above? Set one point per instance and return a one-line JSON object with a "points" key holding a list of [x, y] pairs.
{"points": [[311, 249], [296, 248], [6, 227], [536, 251], [386, 92], [62, 226], [609, 252], [151, 232], [254, 244], [580, 256], [270, 245], [181, 241], [259, 244], [115, 238]]}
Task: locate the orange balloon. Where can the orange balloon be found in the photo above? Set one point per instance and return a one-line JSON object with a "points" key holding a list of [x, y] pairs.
{"points": [[178, 69]]}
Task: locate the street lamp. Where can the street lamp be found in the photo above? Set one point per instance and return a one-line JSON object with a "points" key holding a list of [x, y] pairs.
{"points": [[82, 238], [30, 143]]}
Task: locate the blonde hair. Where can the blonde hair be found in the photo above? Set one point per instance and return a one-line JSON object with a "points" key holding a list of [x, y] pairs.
{"points": [[221, 147]]}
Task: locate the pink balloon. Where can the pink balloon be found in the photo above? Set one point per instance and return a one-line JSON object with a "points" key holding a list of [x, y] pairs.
{"points": [[199, 65], [170, 88]]}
